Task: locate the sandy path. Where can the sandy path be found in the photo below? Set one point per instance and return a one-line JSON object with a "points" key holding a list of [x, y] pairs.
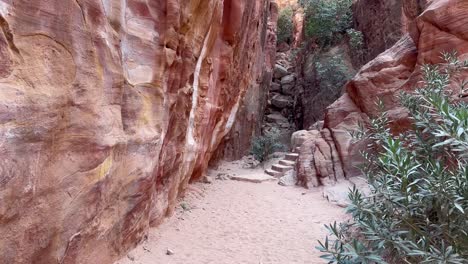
{"points": [[240, 222]]}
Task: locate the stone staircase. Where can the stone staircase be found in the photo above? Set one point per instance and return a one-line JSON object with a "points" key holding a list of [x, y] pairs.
{"points": [[283, 166]]}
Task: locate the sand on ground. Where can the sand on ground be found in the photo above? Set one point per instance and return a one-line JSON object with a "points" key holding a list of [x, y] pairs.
{"points": [[235, 222]]}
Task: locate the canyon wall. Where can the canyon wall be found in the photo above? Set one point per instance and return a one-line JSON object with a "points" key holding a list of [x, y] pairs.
{"points": [[329, 154], [236, 143], [384, 22], [381, 22], [109, 108]]}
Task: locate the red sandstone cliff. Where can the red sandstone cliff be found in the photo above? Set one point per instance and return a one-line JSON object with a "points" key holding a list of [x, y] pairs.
{"points": [[108, 109], [328, 155]]}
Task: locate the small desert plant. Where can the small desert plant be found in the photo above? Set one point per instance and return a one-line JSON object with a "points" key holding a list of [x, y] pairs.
{"points": [[325, 18], [185, 206], [285, 25], [417, 211], [265, 145]]}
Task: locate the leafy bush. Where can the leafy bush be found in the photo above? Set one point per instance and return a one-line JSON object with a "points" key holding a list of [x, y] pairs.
{"points": [[418, 209], [265, 145], [356, 42], [325, 18], [356, 39], [285, 25], [332, 74]]}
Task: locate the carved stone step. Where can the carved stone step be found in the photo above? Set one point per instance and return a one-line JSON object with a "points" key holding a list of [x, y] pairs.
{"points": [[274, 173], [281, 168], [291, 156], [287, 163]]}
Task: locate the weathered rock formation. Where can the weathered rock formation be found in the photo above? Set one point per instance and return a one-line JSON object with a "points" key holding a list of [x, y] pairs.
{"points": [[109, 108], [329, 154]]}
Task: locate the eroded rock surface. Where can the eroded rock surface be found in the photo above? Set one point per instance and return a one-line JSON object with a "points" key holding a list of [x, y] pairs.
{"points": [[329, 155], [109, 108]]}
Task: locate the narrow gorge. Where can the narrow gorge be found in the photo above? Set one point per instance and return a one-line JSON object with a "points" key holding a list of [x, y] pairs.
{"points": [[205, 131]]}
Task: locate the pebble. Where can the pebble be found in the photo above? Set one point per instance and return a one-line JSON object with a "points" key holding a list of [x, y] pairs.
{"points": [[207, 180], [130, 257]]}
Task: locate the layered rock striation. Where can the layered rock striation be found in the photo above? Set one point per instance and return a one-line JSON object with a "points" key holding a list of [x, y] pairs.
{"points": [[109, 108]]}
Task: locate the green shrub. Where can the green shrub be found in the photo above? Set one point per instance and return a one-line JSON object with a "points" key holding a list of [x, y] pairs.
{"points": [[325, 18], [263, 146], [356, 43], [417, 211], [285, 25], [332, 74], [356, 39]]}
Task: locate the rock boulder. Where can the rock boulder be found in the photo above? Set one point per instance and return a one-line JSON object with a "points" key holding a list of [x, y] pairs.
{"points": [[280, 71], [288, 79], [281, 101]]}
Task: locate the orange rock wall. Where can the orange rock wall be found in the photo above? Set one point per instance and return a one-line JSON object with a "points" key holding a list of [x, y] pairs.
{"points": [[108, 109]]}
